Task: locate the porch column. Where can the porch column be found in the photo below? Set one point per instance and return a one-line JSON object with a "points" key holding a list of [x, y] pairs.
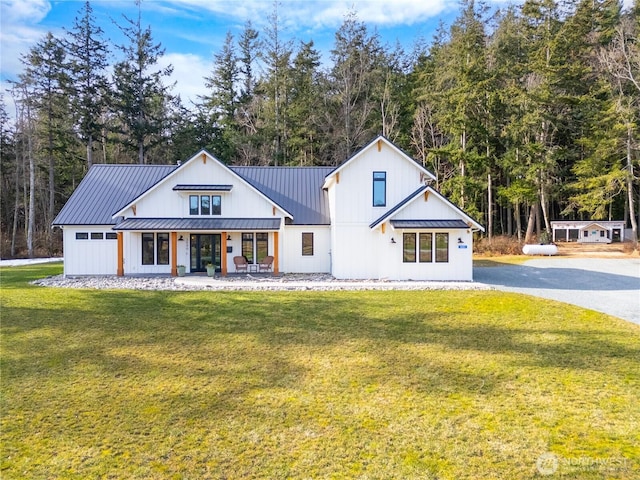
{"points": [[276, 248], [174, 254], [223, 255], [120, 268]]}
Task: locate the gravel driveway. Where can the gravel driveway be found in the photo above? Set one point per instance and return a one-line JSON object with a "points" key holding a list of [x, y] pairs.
{"points": [[606, 285]]}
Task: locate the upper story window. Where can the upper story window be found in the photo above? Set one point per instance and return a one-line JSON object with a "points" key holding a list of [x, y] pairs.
{"points": [[379, 189], [205, 205]]}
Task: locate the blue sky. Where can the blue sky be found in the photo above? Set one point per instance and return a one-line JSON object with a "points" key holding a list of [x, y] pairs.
{"points": [[191, 31]]}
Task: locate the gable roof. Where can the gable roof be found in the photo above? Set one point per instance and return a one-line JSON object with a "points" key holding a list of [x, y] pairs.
{"points": [[297, 189], [360, 152], [200, 154], [106, 189], [425, 188]]}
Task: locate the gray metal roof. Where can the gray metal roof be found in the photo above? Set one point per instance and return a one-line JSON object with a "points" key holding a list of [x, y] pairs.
{"points": [[106, 189], [297, 189], [431, 224], [204, 188], [221, 224]]}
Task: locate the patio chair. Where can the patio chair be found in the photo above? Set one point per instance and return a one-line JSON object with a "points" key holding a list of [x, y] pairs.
{"points": [[241, 264], [266, 264]]}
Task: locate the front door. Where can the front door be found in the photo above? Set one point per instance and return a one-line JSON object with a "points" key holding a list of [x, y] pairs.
{"points": [[205, 249]]}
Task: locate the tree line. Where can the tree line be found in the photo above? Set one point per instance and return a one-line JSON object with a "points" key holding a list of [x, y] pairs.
{"points": [[524, 114]]}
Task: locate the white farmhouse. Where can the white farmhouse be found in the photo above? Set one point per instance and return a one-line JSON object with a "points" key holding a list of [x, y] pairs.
{"points": [[373, 217]]}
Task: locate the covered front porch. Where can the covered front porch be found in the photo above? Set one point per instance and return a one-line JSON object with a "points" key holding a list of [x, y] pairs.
{"points": [[196, 245]]}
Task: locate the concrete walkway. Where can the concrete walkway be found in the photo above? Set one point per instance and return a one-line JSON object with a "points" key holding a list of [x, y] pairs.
{"points": [[606, 285]]}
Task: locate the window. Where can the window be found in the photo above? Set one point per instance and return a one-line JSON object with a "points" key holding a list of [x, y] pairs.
{"points": [[426, 247], [205, 205], [602, 233], [247, 246], [111, 236], [216, 202], [307, 244], [379, 189], [193, 204], [147, 249], [408, 247], [97, 236], [585, 234], [442, 247], [262, 246], [82, 236], [162, 255]]}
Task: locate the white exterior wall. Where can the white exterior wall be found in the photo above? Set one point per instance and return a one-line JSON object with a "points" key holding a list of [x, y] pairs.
{"points": [[352, 199], [593, 235], [291, 258], [89, 257], [362, 253], [241, 202]]}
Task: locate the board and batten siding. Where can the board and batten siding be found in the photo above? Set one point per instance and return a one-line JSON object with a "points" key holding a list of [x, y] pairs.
{"points": [[90, 256], [352, 199], [291, 258], [164, 202]]}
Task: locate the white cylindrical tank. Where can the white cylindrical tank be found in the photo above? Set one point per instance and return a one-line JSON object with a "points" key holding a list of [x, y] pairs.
{"points": [[540, 250]]}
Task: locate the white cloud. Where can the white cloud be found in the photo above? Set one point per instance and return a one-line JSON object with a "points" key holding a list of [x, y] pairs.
{"points": [[325, 13], [19, 30], [188, 71]]}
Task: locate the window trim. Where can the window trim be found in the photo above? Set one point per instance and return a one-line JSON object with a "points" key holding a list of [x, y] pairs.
{"points": [[159, 250], [412, 258], [218, 206], [148, 258], [307, 246], [381, 180], [192, 210], [420, 257], [446, 236]]}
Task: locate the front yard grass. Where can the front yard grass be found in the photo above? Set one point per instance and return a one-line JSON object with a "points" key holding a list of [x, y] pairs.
{"points": [[434, 384]]}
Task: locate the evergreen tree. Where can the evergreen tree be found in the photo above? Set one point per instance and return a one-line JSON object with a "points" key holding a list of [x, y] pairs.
{"points": [[223, 100], [141, 98], [305, 106], [354, 78], [89, 56]]}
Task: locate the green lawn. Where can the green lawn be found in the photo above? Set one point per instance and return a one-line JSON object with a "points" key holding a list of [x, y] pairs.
{"points": [[456, 384]]}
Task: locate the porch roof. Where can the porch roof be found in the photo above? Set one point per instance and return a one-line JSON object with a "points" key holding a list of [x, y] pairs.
{"points": [[188, 224], [430, 224]]}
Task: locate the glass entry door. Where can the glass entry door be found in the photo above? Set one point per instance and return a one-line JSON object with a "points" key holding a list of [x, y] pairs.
{"points": [[205, 249]]}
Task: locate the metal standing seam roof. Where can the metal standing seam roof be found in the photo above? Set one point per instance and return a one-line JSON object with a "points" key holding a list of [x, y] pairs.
{"points": [[203, 188], [226, 224], [297, 189], [105, 189], [399, 205], [431, 224]]}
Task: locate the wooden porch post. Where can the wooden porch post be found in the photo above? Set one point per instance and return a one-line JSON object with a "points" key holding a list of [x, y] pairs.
{"points": [[120, 268], [223, 254], [174, 254], [276, 266]]}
